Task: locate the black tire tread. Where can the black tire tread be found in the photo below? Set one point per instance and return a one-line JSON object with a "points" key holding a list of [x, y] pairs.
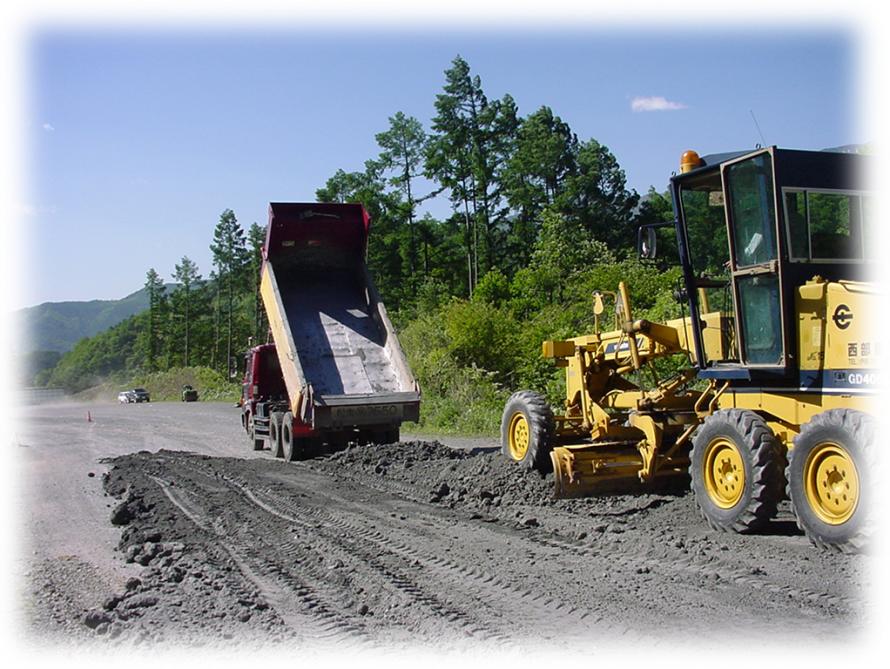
{"points": [[257, 444], [275, 435], [542, 427], [861, 428], [766, 459]]}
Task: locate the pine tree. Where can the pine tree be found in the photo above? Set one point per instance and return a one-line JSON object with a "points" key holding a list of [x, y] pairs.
{"points": [[472, 139], [229, 256], [403, 148], [154, 286], [186, 275], [256, 238]]}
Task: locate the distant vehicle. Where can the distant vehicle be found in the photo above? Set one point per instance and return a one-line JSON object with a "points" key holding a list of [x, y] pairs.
{"points": [[189, 394], [134, 395]]}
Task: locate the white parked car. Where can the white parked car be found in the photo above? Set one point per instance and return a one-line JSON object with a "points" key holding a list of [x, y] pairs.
{"points": [[134, 395]]}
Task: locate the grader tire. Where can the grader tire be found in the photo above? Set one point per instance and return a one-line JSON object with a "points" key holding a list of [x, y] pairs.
{"points": [[527, 429], [736, 470], [827, 473]]}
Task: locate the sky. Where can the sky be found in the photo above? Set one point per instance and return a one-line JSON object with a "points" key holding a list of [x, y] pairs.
{"points": [[137, 140]]}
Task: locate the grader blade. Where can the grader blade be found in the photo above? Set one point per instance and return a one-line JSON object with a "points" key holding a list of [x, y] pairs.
{"points": [[588, 469], [580, 471]]}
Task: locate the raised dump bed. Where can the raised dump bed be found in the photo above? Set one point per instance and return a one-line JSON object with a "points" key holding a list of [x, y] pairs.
{"points": [[340, 358]]}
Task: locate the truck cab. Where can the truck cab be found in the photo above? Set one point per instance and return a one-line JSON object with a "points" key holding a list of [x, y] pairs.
{"points": [[262, 390]]}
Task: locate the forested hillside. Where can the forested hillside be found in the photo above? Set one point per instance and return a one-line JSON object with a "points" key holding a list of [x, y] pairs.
{"points": [[539, 219]]}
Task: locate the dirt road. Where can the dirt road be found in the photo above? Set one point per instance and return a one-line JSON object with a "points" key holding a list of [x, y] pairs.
{"points": [[156, 523]]}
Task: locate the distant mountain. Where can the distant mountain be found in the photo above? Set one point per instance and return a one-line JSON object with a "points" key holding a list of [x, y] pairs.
{"points": [[58, 326]]}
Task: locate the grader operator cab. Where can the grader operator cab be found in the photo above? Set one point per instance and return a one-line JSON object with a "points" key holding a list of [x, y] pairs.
{"points": [[776, 398]]}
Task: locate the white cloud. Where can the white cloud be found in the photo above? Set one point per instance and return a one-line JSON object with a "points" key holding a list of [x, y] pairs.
{"points": [[654, 103], [49, 127]]}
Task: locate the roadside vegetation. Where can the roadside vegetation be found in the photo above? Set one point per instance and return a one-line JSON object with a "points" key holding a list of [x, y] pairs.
{"points": [[540, 218]]}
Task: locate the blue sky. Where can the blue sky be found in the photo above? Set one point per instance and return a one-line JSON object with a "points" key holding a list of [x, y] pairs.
{"points": [[139, 140]]}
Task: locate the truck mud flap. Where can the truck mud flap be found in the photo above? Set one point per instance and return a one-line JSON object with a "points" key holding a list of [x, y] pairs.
{"points": [[337, 411]]}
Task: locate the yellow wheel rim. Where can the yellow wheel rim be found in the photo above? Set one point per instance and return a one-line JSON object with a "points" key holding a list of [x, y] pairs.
{"points": [[724, 473], [518, 436], [831, 483]]}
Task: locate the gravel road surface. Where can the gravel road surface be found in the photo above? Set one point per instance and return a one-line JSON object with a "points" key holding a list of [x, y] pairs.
{"points": [[156, 524]]}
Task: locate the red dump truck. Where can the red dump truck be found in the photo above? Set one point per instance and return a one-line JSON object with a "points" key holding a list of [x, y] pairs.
{"points": [[336, 372]]}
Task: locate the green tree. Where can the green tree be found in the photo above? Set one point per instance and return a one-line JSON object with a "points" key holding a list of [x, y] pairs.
{"points": [[153, 339], [544, 159], [230, 257], [403, 147], [536, 175], [563, 251], [256, 238], [598, 197], [466, 154], [186, 276]]}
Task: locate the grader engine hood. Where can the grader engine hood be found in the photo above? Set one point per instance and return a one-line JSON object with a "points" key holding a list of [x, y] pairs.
{"points": [[839, 350]]}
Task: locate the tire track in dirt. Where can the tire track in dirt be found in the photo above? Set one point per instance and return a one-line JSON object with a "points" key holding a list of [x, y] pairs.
{"points": [[499, 599], [473, 582], [476, 585], [295, 601], [330, 539], [720, 572], [345, 553]]}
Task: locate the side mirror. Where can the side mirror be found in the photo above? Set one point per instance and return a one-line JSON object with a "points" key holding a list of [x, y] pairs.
{"points": [[647, 239], [647, 242]]}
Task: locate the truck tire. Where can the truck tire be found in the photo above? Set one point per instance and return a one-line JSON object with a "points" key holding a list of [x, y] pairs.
{"points": [[527, 429], [294, 448], [287, 437], [257, 444], [275, 434], [828, 472], [736, 470]]}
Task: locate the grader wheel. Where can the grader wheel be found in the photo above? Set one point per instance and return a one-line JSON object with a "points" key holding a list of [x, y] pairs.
{"points": [[826, 475], [736, 471], [527, 428]]}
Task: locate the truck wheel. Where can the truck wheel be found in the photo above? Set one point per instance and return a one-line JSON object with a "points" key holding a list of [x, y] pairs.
{"points": [[827, 476], [275, 444], [287, 437], [527, 429], [294, 448], [736, 470], [258, 444]]}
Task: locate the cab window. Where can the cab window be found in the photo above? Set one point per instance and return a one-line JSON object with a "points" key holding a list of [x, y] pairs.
{"points": [[752, 211], [827, 226]]}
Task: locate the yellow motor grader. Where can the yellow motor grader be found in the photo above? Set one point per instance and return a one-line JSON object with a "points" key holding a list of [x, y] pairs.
{"points": [[776, 395]]}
